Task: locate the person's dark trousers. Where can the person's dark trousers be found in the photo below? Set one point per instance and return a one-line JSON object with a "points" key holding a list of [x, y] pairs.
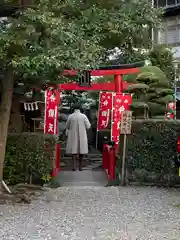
{"points": [[78, 157]]}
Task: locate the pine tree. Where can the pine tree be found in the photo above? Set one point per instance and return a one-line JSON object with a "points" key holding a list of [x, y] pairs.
{"points": [[152, 93]]}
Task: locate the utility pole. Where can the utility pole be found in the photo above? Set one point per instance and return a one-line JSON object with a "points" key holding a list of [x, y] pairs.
{"points": [[176, 78], [152, 33]]}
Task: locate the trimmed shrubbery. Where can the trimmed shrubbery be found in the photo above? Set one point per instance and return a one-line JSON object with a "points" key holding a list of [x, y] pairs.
{"points": [[29, 158], [151, 150], [150, 153]]}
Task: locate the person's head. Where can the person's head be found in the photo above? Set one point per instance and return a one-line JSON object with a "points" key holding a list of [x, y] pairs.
{"points": [[76, 106]]}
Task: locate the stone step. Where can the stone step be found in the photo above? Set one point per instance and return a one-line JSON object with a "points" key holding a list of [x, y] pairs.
{"points": [[89, 165], [83, 168], [90, 153], [86, 178], [83, 184], [86, 158]]}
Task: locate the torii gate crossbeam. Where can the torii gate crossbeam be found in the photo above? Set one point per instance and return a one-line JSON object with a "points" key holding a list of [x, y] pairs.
{"points": [[118, 85]]}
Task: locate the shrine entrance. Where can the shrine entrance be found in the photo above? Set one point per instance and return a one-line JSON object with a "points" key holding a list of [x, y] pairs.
{"points": [[93, 159], [85, 84]]}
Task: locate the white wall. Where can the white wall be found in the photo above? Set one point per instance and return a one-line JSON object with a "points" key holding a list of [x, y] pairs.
{"points": [[176, 51]]}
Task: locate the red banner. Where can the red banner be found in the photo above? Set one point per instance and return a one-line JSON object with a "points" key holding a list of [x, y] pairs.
{"points": [[121, 102], [51, 112], [105, 106], [171, 113]]}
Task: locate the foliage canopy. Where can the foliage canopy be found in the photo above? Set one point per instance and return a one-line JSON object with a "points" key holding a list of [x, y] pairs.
{"points": [[152, 87], [73, 34], [38, 43]]}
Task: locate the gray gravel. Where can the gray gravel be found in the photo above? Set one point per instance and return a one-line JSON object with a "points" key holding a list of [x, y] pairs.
{"points": [[80, 213]]}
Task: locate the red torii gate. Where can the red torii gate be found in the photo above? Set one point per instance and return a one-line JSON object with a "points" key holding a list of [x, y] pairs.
{"points": [[118, 86]]}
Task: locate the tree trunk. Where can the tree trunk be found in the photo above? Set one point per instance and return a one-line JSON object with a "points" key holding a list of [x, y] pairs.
{"points": [[5, 109]]}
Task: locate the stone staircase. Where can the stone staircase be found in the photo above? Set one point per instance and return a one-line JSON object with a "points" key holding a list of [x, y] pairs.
{"points": [[93, 161], [92, 174]]}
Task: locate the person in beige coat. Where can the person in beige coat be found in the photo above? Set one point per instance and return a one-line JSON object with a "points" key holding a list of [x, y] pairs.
{"points": [[77, 142]]}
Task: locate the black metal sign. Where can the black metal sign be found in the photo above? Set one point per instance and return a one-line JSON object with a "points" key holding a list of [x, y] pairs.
{"points": [[84, 78]]}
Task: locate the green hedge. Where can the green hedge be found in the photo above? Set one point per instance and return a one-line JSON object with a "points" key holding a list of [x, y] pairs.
{"points": [[151, 150], [28, 157]]}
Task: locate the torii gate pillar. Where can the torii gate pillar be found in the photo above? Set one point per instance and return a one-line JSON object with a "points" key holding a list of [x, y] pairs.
{"points": [[118, 83]]}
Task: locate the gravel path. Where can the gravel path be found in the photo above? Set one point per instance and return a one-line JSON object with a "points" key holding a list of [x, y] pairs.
{"points": [[99, 213]]}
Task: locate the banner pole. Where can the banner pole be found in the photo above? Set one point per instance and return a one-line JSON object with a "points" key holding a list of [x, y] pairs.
{"points": [[97, 132], [112, 111], [123, 161], [97, 139], [45, 109]]}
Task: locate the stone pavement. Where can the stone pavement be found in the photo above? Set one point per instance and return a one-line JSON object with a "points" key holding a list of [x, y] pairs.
{"points": [[82, 178], [94, 212]]}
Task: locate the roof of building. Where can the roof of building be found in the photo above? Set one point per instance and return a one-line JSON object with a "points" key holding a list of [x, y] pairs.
{"points": [[7, 10], [172, 11]]}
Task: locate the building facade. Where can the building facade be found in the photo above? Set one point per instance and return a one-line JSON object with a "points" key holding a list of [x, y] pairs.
{"points": [[169, 31], [8, 9]]}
